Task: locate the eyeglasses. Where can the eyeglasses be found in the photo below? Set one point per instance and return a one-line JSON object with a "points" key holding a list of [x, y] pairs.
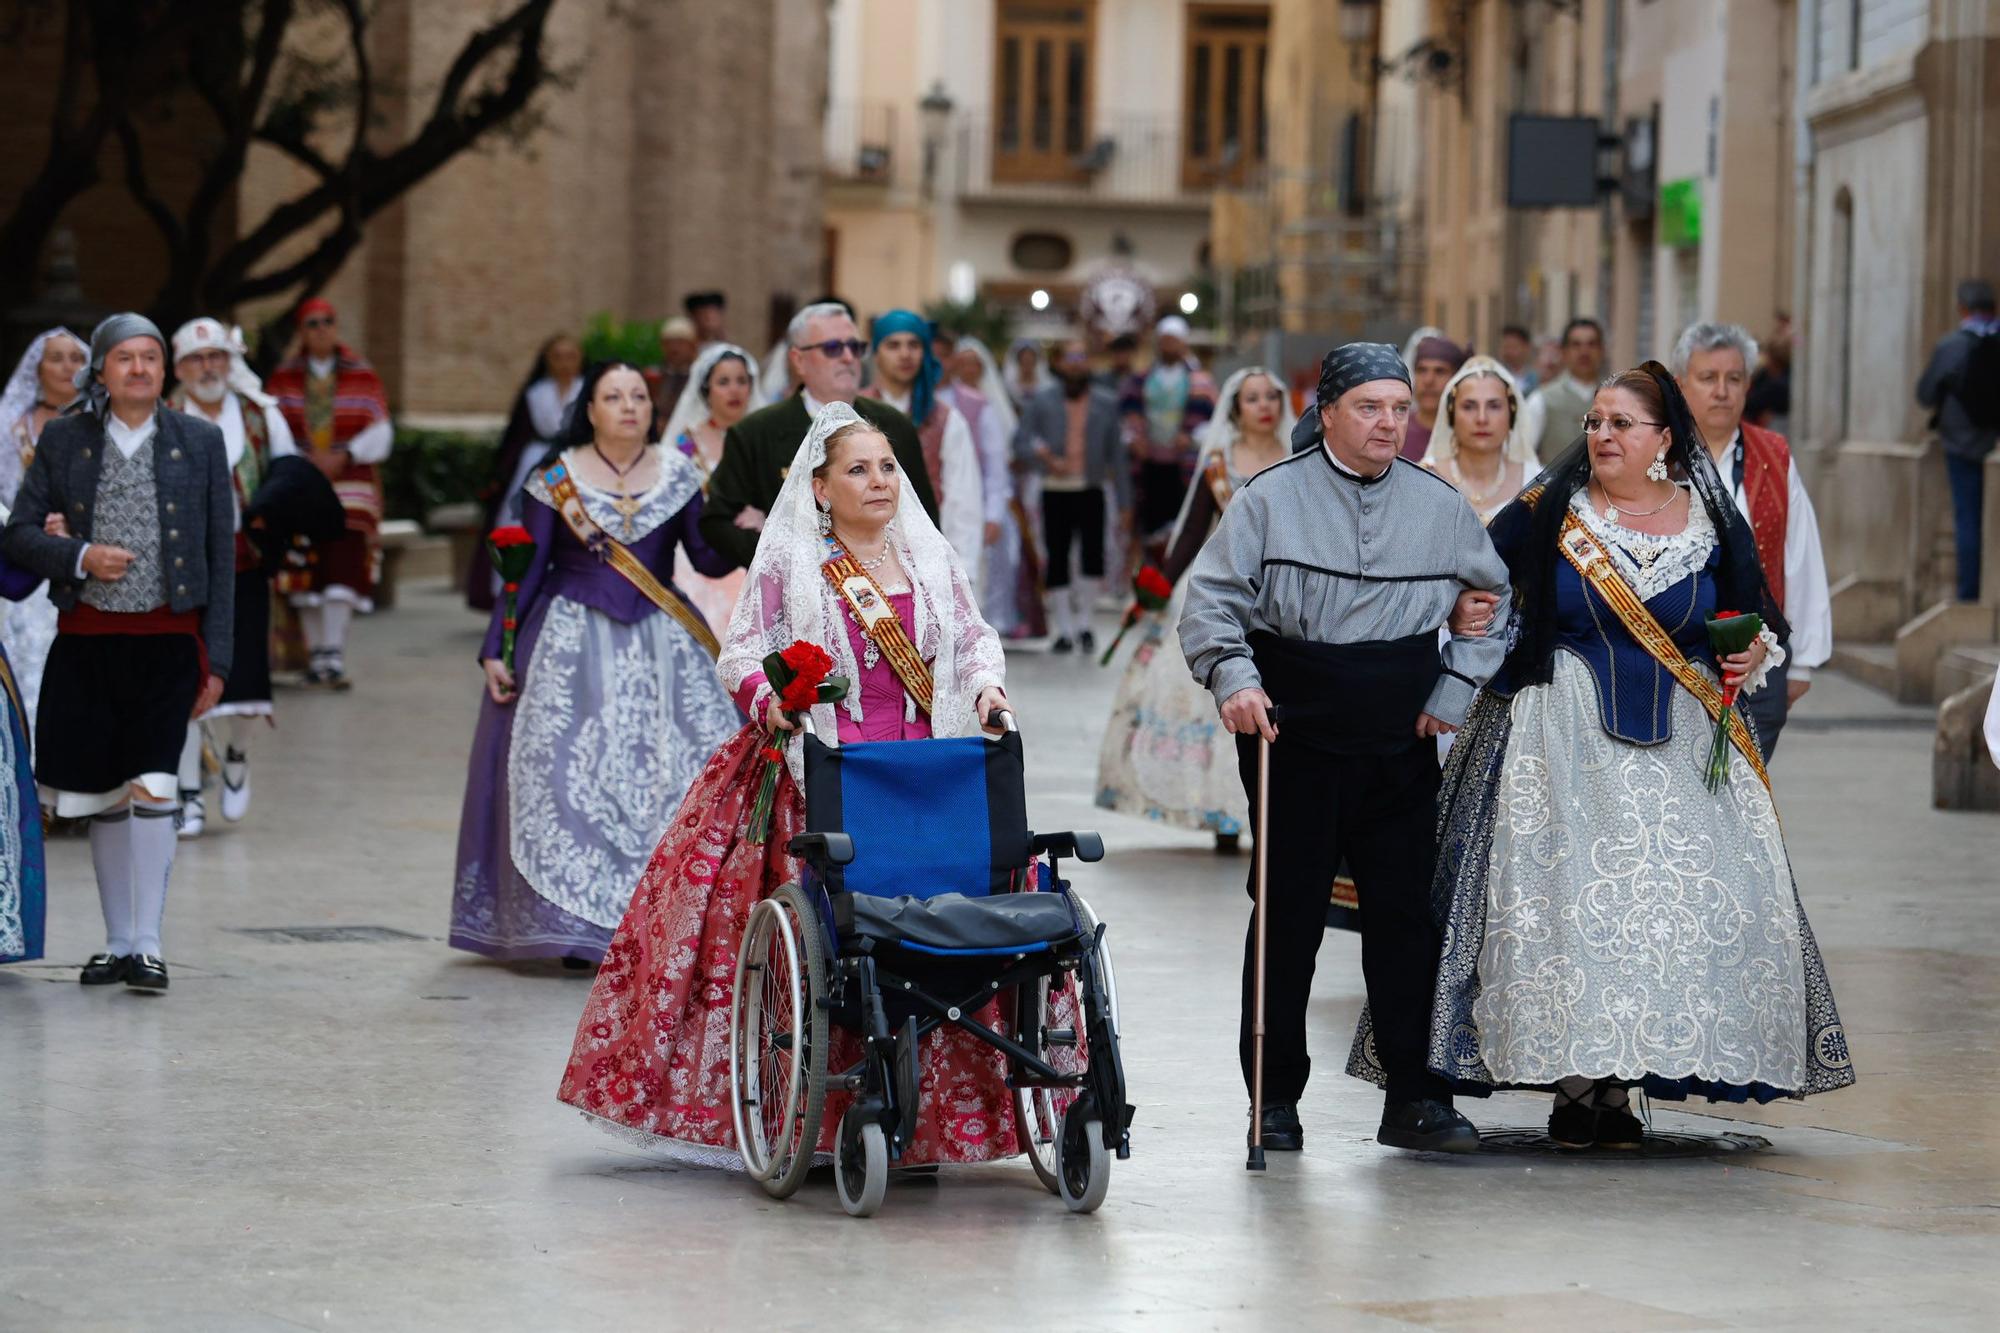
{"points": [[835, 348], [1619, 424], [318, 322]]}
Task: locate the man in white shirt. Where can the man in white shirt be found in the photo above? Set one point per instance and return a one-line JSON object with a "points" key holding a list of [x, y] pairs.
{"points": [[1712, 363], [215, 386]]}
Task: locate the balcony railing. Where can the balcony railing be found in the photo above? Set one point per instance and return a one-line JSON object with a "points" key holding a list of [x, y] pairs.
{"points": [[1108, 159], [864, 143]]}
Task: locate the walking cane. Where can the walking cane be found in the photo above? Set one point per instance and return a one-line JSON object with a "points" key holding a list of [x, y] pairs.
{"points": [[1256, 1162]]}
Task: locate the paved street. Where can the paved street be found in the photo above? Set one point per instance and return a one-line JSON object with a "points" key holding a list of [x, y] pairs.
{"points": [[362, 1133]]}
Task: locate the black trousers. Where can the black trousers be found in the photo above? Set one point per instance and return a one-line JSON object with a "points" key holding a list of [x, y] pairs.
{"points": [[1073, 516], [1768, 708], [1380, 813]]}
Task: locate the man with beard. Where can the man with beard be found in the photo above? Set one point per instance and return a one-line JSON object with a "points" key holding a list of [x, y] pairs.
{"points": [[1071, 433], [1323, 590], [142, 566], [337, 409], [825, 353], [215, 386]]}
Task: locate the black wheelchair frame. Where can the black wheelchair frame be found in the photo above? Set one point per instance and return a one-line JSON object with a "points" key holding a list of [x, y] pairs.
{"points": [[893, 998]]}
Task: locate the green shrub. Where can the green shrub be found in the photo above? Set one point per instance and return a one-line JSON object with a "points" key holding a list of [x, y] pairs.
{"points": [[635, 341], [435, 467]]}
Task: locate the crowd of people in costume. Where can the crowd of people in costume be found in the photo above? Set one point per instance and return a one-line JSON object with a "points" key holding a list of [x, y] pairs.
{"points": [[1462, 612]]}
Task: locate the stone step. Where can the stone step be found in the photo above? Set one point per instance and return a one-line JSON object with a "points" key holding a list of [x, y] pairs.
{"points": [[1966, 665], [1873, 664]]}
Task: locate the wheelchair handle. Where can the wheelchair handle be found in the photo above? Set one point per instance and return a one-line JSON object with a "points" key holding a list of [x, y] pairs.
{"points": [[1005, 714]]}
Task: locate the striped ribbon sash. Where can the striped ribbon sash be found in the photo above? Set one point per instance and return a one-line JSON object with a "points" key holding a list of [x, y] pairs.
{"points": [[1591, 561], [878, 620], [562, 488]]}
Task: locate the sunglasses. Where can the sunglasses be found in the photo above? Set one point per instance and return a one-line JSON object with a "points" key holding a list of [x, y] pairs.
{"points": [[835, 348], [1619, 425], [318, 322]]}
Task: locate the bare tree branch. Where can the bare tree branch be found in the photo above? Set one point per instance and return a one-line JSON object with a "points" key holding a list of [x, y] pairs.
{"points": [[149, 202]]}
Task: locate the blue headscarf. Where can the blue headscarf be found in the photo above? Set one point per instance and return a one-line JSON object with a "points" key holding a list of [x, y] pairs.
{"points": [[924, 392]]}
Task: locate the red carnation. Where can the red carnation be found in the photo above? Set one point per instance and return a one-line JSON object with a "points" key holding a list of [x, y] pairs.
{"points": [[1726, 615], [1153, 583], [807, 659], [511, 536]]}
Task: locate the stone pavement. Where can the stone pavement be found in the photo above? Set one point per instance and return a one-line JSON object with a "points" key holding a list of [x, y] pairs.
{"points": [[361, 1132]]}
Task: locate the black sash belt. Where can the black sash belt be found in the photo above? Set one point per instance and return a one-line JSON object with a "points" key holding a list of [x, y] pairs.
{"points": [[1349, 698]]}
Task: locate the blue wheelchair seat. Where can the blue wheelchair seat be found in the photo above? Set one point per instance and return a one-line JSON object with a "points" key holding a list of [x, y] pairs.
{"points": [[953, 924]]}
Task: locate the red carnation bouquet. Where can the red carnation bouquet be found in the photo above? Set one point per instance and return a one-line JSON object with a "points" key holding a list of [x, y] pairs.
{"points": [[1729, 633], [801, 676], [1150, 592], [513, 555]]}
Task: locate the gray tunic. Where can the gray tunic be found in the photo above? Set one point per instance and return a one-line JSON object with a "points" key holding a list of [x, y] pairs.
{"points": [[1307, 551]]}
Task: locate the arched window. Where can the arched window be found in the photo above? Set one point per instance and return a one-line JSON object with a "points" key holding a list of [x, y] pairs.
{"points": [[1041, 252]]}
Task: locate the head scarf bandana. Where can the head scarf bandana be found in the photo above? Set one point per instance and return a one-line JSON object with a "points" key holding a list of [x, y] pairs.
{"points": [[924, 391], [319, 305], [1441, 349], [113, 330], [1357, 364]]}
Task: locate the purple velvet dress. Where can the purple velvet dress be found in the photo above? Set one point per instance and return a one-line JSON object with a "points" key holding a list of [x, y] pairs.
{"points": [[616, 709]]}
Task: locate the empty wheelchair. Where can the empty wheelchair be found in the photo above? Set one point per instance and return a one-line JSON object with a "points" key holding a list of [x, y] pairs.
{"points": [[923, 904]]}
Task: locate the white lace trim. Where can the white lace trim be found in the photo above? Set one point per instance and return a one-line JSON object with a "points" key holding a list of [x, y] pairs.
{"points": [[1651, 564], [677, 484]]}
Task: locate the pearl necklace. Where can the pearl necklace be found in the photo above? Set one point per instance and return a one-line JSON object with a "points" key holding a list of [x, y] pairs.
{"points": [[1612, 511], [1479, 499]]}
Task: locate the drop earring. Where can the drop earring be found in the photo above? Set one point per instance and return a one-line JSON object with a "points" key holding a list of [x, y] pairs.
{"points": [[825, 519], [1658, 470]]}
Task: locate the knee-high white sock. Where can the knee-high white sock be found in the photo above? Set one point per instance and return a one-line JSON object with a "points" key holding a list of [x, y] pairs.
{"points": [[153, 844], [1061, 616], [312, 621], [236, 733], [335, 615], [190, 766], [1084, 590], [111, 858]]}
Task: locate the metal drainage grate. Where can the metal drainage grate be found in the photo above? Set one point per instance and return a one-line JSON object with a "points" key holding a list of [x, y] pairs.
{"points": [[327, 934], [1659, 1145]]}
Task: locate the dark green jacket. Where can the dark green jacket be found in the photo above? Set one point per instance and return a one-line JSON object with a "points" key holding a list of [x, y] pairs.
{"points": [[758, 451]]}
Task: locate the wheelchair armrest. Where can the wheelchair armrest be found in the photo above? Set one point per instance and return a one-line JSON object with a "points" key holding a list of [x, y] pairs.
{"points": [[822, 849], [1082, 846]]}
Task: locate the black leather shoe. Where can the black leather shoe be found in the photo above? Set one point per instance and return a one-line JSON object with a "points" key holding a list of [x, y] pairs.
{"points": [[1087, 642], [1282, 1130], [104, 969], [1617, 1127], [1062, 645], [146, 973], [1573, 1125], [1426, 1126]]}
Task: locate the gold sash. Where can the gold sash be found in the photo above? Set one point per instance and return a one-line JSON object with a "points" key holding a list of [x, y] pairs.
{"points": [[562, 487], [1591, 560], [1215, 474], [877, 618]]}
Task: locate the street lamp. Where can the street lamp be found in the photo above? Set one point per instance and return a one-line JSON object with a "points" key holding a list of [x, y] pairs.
{"points": [[934, 108], [1038, 299], [1189, 303]]}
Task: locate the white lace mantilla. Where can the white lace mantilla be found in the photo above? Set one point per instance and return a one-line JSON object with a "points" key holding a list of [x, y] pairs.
{"points": [[613, 724], [678, 483], [1635, 923]]}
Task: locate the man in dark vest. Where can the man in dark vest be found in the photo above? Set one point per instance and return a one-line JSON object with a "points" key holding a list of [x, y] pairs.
{"points": [[127, 511], [826, 352]]}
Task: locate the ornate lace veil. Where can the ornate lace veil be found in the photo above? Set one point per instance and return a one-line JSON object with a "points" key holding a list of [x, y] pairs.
{"points": [[692, 405], [786, 598], [18, 399], [1219, 434]]}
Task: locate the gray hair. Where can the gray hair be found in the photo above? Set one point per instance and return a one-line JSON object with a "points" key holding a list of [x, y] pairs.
{"points": [[803, 320], [1712, 338]]}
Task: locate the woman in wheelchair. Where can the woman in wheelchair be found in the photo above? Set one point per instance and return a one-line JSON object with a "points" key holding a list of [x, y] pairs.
{"points": [[849, 561]]}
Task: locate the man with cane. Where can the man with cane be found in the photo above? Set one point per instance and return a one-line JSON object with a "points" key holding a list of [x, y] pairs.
{"points": [[1312, 616]]}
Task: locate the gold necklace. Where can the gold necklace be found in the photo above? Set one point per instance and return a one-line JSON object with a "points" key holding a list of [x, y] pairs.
{"points": [[1479, 499], [626, 504]]}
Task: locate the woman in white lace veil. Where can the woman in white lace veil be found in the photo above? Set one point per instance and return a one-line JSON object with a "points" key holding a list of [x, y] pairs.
{"points": [[28, 627], [698, 427], [787, 598], [692, 407], [1165, 755], [650, 1061], [993, 388], [1481, 445]]}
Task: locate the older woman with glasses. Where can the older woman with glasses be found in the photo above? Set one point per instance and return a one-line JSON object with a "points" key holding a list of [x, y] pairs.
{"points": [[1612, 920], [825, 353]]}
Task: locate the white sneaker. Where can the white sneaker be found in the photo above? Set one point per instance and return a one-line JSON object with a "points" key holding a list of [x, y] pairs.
{"points": [[193, 819], [235, 785]]}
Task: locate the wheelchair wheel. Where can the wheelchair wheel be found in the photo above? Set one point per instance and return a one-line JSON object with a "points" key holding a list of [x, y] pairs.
{"points": [[861, 1165], [777, 1041], [1037, 1120], [1104, 969], [1083, 1163]]}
